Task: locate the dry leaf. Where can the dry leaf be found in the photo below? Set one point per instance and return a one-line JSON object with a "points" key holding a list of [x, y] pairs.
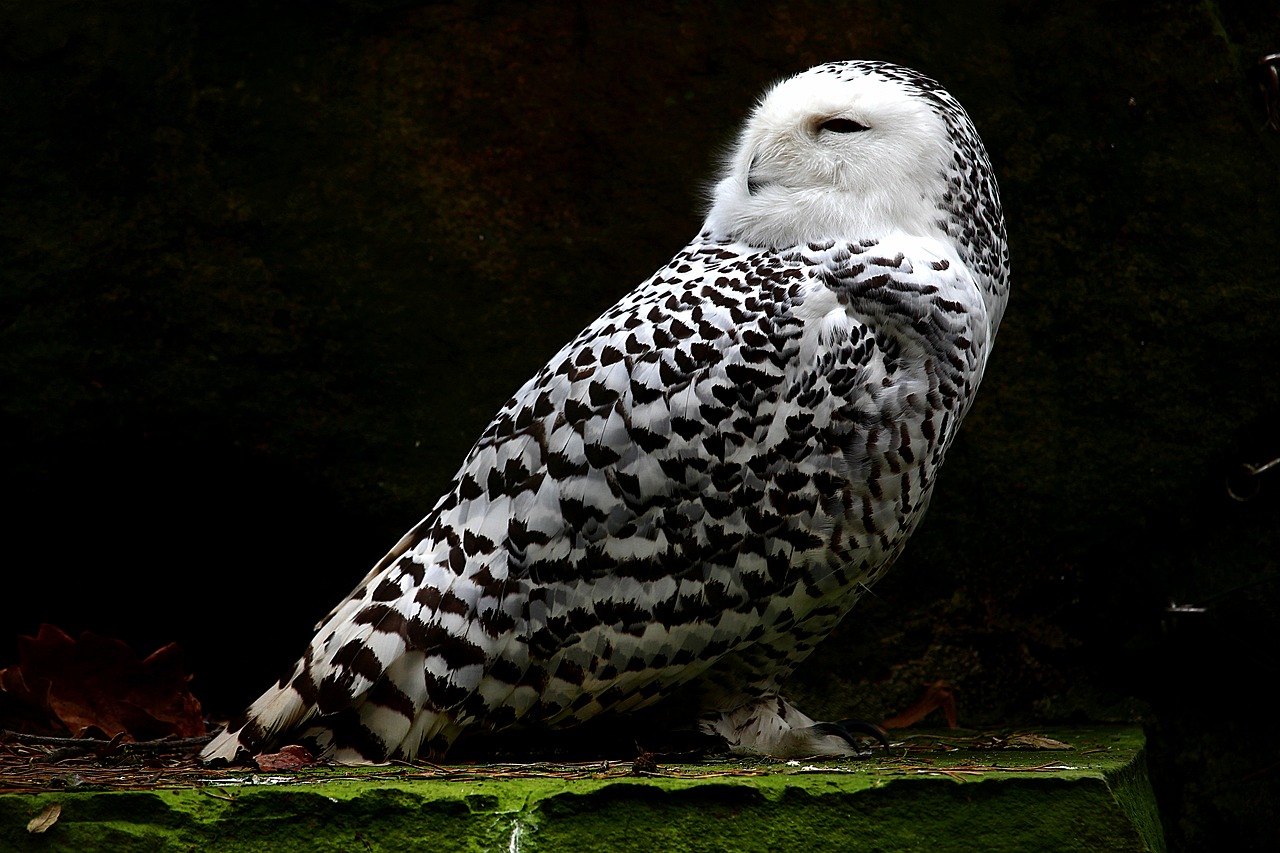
{"points": [[1034, 742], [45, 819], [289, 758], [936, 695], [99, 681], [25, 707]]}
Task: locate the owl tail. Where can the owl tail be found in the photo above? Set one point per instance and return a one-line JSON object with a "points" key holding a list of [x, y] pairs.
{"points": [[358, 696], [371, 730], [275, 712]]}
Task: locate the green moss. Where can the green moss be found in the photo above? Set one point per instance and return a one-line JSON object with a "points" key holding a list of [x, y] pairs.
{"points": [[1092, 797]]}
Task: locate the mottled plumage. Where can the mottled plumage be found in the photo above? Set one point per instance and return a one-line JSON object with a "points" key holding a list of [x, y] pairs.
{"points": [[697, 488]]}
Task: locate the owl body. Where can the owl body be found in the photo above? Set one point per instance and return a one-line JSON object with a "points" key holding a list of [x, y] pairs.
{"points": [[695, 490]]}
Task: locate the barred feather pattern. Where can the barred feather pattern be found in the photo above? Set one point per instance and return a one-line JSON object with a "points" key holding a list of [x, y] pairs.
{"points": [[691, 494]]}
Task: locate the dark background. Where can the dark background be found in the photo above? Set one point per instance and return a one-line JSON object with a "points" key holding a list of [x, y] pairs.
{"points": [[267, 269]]}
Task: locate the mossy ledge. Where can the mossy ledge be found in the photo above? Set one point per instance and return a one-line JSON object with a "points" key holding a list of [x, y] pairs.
{"points": [[937, 793]]}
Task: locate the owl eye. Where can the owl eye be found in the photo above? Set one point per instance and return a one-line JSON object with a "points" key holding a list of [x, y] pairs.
{"points": [[842, 125]]}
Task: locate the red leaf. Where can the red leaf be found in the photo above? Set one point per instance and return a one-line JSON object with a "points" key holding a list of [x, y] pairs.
{"points": [[936, 695], [288, 758]]}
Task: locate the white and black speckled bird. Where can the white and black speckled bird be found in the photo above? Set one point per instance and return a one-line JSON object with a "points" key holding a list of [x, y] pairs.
{"points": [[698, 487]]}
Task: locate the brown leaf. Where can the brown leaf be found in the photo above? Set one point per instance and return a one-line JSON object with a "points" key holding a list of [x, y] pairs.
{"points": [[288, 758], [936, 695], [99, 681], [45, 819], [25, 707]]}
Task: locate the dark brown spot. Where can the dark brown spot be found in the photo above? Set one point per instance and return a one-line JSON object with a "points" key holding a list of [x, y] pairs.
{"points": [[350, 733], [383, 618], [572, 673], [360, 659], [521, 537], [560, 467], [600, 456], [460, 653], [388, 590], [306, 687], [469, 488], [474, 543], [576, 412], [647, 440], [686, 428], [388, 695], [450, 603], [601, 395], [643, 394]]}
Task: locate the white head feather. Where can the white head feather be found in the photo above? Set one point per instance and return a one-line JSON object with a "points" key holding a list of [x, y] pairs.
{"points": [[793, 176]]}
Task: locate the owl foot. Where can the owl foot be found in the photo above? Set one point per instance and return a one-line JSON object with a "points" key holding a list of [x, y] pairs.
{"points": [[771, 725]]}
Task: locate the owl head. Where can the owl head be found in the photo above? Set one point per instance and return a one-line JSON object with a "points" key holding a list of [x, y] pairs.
{"points": [[850, 150]]}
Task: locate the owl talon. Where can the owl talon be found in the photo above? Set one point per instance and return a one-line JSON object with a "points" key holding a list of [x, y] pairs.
{"points": [[850, 729]]}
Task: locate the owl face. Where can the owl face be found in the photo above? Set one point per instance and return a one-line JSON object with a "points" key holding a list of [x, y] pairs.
{"points": [[835, 152]]}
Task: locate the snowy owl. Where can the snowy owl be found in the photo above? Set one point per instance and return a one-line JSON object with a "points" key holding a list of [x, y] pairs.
{"points": [[698, 487]]}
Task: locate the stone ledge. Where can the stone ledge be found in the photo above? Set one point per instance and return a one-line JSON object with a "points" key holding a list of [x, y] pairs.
{"points": [[936, 793]]}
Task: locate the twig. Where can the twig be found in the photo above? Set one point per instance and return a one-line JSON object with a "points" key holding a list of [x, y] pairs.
{"points": [[72, 746]]}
